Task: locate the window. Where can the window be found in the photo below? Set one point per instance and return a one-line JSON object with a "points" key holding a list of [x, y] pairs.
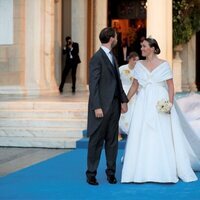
{"points": [[6, 22]]}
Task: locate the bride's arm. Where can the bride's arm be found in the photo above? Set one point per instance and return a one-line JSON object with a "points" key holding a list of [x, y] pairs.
{"points": [[133, 89], [170, 85]]}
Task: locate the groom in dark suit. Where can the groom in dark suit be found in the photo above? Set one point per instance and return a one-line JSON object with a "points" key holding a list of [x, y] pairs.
{"points": [[106, 101]]}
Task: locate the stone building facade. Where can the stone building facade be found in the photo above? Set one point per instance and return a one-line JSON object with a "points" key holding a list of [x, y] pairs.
{"points": [[32, 62]]}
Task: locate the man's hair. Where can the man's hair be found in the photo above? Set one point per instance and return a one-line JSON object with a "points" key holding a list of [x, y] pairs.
{"points": [[106, 34], [67, 38]]}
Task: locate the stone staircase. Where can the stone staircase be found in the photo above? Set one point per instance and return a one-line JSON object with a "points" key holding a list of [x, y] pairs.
{"points": [[50, 124]]}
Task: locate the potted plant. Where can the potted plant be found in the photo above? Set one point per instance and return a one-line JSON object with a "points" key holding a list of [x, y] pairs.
{"points": [[186, 20]]}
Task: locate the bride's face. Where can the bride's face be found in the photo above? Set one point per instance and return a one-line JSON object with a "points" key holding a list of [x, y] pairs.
{"points": [[146, 49]]}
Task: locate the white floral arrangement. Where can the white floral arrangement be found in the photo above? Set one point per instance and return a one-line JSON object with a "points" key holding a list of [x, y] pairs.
{"points": [[164, 106]]}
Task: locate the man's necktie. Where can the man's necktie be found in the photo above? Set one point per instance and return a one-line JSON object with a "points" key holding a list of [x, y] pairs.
{"points": [[112, 58], [116, 94]]}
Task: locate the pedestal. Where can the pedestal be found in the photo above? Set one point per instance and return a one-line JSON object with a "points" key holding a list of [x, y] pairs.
{"points": [[177, 69]]}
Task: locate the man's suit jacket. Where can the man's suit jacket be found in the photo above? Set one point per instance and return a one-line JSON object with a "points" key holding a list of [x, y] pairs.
{"points": [[74, 53], [102, 85]]}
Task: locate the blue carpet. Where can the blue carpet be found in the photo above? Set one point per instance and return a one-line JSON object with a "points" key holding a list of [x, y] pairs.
{"points": [[63, 177]]}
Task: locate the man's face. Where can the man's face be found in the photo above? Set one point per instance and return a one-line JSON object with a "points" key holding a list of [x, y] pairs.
{"points": [[69, 42], [114, 41]]}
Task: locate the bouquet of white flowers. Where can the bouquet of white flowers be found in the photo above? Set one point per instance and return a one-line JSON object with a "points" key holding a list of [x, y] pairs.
{"points": [[164, 106]]}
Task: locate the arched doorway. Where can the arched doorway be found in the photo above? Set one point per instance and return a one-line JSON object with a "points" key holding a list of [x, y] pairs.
{"points": [[74, 24], [128, 17]]}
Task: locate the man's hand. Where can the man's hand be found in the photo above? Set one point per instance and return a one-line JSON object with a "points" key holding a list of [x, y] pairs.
{"points": [[98, 113], [124, 108]]}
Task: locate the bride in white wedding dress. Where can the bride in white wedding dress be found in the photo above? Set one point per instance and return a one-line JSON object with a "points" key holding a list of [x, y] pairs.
{"points": [[157, 148]]}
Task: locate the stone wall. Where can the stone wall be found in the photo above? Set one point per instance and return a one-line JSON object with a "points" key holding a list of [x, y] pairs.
{"points": [[12, 56]]}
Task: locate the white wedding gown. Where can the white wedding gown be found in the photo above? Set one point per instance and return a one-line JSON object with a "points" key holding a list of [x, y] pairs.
{"points": [[157, 148]]}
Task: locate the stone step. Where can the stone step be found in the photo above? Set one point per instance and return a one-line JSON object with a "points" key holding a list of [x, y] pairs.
{"points": [[38, 142], [43, 105], [45, 123], [41, 132], [52, 122], [43, 114]]}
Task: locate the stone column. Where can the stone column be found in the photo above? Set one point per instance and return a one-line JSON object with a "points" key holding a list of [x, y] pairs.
{"points": [[39, 47], [58, 40], [188, 56], [100, 20], [49, 45], [159, 25], [79, 34], [184, 68]]}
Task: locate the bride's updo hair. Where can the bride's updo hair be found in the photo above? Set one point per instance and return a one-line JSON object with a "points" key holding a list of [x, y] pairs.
{"points": [[153, 43]]}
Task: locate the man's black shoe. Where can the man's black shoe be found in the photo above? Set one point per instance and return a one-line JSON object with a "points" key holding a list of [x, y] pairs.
{"points": [[60, 90], [92, 181], [111, 179]]}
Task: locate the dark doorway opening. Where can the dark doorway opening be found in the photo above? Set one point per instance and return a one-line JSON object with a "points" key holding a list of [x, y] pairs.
{"points": [[128, 17]]}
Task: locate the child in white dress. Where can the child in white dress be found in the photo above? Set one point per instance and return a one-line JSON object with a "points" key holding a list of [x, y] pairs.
{"points": [[126, 75]]}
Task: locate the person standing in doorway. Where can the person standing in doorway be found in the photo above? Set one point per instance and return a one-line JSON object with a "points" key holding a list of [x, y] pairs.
{"points": [[71, 50], [125, 50], [106, 101]]}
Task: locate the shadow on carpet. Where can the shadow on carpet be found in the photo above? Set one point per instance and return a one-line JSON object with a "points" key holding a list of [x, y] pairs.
{"points": [[63, 177]]}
